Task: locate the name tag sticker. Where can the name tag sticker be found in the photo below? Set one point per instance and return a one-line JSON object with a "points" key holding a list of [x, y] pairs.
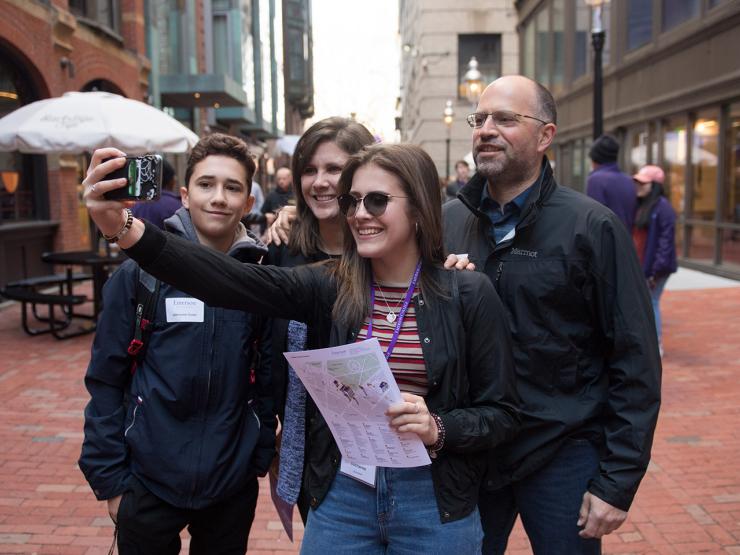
{"points": [[184, 309], [360, 472]]}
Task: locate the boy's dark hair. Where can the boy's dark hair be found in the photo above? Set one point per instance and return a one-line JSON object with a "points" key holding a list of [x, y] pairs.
{"points": [[218, 144]]}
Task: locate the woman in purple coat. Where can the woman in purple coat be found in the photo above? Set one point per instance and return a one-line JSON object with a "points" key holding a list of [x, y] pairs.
{"points": [[654, 235]]}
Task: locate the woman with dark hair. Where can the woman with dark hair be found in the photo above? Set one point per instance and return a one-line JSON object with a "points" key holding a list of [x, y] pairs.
{"points": [[447, 344], [316, 235], [654, 235]]}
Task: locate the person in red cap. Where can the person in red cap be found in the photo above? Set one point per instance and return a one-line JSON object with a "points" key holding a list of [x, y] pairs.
{"points": [[654, 235]]}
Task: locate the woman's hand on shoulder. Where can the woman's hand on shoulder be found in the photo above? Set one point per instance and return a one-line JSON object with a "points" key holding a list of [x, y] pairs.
{"points": [[277, 234], [459, 262], [412, 415]]}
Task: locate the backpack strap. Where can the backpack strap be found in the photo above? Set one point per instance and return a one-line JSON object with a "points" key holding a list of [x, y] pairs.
{"points": [[254, 354], [147, 293]]}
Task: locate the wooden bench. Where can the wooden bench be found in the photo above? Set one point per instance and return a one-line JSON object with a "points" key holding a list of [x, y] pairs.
{"points": [[27, 295]]}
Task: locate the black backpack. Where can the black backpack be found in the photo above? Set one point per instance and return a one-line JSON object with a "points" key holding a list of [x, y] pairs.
{"points": [[147, 294]]}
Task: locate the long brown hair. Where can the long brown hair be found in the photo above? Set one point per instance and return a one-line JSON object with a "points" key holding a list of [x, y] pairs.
{"points": [[418, 176], [348, 135]]}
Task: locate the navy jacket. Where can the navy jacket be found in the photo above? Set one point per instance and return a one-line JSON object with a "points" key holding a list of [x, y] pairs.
{"points": [[615, 190], [660, 249], [585, 347], [195, 429]]}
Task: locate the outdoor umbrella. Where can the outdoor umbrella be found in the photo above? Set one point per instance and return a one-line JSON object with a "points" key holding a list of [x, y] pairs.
{"points": [[83, 121]]}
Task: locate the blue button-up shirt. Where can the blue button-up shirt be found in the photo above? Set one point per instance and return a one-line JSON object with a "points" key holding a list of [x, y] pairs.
{"points": [[503, 221]]}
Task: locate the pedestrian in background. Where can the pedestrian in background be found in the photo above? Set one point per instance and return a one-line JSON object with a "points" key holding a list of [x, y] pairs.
{"points": [[655, 236], [168, 203], [280, 196], [462, 174], [607, 184]]}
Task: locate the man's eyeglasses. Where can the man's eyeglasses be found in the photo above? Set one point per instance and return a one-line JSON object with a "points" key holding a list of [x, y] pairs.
{"points": [[500, 119], [375, 203]]}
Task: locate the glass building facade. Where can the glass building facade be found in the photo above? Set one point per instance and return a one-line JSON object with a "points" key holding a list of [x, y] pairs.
{"points": [[671, 97]]}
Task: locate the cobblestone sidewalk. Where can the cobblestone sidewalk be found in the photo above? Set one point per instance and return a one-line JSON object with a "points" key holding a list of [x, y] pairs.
{"points": [[689, 501]]}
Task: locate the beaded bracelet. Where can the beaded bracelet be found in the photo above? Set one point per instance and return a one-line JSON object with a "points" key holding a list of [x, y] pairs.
{"points": [[124, 230], [434, 449]]}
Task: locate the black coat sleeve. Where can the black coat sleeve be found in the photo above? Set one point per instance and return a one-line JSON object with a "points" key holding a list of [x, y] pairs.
{"points": [[263, 399], [104, 457], [304, 294], [492, 412], [632, 364]]}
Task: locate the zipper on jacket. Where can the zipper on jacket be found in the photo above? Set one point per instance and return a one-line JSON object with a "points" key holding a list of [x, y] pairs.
{"points": [[139, 402], [210, 362], [499, 271]]}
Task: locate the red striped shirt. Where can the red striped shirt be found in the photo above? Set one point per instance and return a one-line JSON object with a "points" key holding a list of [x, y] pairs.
{"points": [[407, 359]]}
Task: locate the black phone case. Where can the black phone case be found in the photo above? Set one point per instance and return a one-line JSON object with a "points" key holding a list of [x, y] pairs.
{"points": [[144, 175]]}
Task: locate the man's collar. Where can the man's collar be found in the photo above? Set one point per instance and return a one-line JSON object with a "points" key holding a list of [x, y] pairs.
{"points": [[519, 201]]}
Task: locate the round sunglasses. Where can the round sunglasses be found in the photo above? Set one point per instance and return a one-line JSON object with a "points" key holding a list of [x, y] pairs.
{"points": [[375, 203]]}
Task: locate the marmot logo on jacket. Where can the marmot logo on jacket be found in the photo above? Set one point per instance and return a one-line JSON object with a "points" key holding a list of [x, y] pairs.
{"points": [[522, 252]]}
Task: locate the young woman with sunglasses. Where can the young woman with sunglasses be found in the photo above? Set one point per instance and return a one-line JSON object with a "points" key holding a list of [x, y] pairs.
{"points": [[317, 234], [447, 343]]}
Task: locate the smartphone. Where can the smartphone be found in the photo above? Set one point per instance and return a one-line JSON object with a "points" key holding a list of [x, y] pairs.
{"points": [[144, 175]]}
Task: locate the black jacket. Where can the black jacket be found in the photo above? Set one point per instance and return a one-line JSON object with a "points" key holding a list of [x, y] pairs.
{"points": [[281, 256], [584, 338], [464, 340], [195, 430]]}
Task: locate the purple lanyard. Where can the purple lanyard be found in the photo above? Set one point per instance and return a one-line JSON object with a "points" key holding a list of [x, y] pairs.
{"points": [[404, 308]]}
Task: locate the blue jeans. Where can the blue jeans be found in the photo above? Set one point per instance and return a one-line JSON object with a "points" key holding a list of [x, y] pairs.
{"points": [[398, 517], [655, 294], [548, 501]]}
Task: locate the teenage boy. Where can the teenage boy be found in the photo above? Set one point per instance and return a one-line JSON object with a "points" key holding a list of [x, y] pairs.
{"points": [[182, 440]]}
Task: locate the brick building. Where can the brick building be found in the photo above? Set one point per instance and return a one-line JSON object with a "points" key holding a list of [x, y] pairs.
{"points": [[48, 48], [237, 66]]}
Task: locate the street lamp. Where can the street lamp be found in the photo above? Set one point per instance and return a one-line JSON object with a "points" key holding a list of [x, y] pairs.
{"points": [[448, 115], [472, 83], [598, 36]]}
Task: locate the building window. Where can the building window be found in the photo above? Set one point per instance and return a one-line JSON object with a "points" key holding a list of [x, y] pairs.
{"points": [[730, 246], [18, 193], [487, 50], [678, 11], [247, 53], [638, 149], [106, 13], [558, 47], [704, 156], [542, 50], [171, 24], [580, 164], [264, 23], [581, 43], [528, 49], [639, 23], [674, 164], [223, 39]]}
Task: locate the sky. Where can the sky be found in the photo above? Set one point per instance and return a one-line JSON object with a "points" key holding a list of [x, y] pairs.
{"points": [[356, 49]]}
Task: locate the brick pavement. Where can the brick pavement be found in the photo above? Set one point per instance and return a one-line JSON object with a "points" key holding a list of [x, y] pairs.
{"points": [[689, 501]]}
